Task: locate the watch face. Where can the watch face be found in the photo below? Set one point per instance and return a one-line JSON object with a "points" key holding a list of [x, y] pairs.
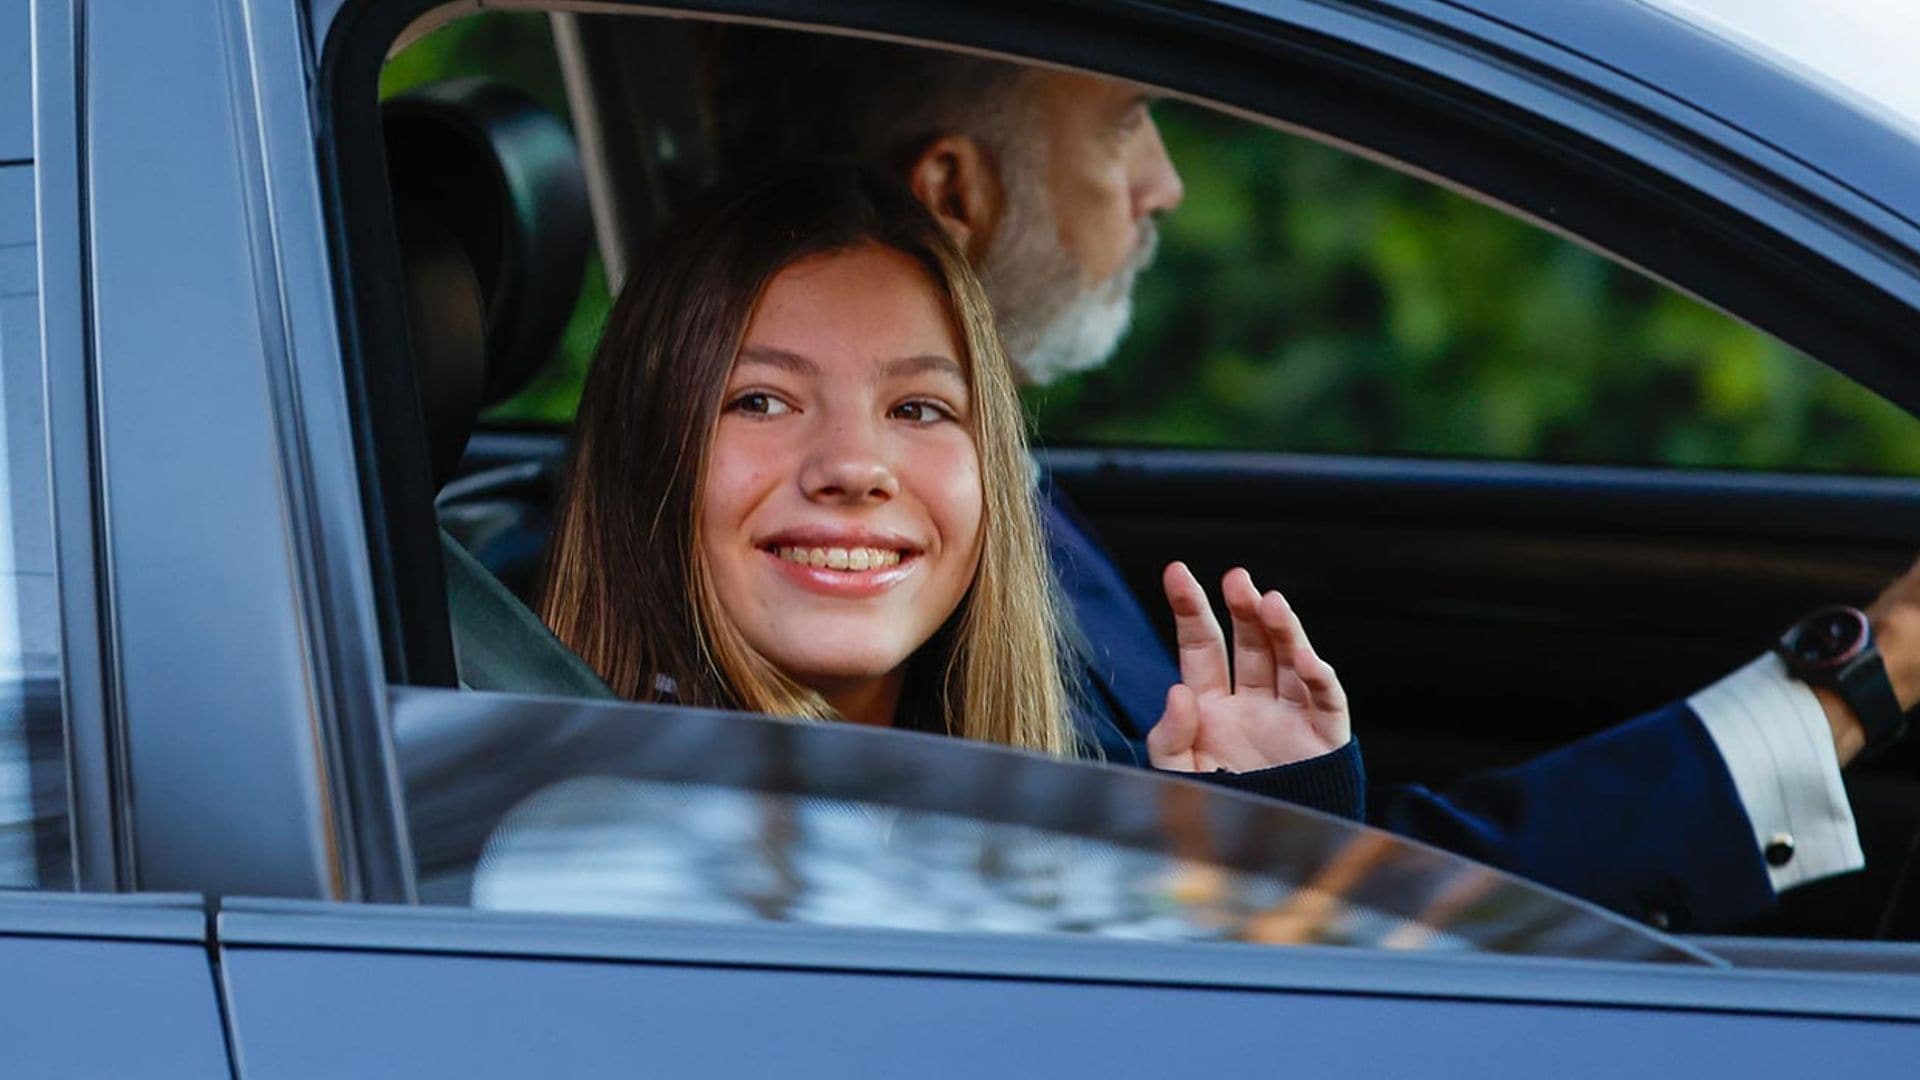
{"points": [[1828, 638]]}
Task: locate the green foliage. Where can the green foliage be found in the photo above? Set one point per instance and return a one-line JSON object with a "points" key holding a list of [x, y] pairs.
{"points": [[515, 48], [1309, 300]]}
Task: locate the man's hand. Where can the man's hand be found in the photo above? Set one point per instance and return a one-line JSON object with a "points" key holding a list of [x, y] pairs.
{"points": [[1895, 615], [1279, 704]]}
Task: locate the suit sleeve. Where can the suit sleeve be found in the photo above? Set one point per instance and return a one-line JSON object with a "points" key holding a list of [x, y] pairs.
{"points": [[1642, 818], [1333, 783]]}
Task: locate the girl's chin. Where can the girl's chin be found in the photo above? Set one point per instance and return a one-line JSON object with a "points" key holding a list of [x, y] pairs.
{"points": [[838, 677]]}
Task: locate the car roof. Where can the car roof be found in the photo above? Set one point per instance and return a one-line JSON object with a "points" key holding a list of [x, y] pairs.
{"points": [[1672, 61]]}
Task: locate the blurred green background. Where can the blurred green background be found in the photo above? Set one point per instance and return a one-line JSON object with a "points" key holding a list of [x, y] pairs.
{"points": [[1309, 300]]}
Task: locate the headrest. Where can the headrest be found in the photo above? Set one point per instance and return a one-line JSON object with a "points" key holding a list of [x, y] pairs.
{"points": [[491, 211]]}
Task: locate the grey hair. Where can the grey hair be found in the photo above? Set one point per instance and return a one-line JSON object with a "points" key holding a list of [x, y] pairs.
{"points": [[779, 94]]}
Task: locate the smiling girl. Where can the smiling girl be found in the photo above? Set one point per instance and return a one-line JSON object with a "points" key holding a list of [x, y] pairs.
{"points": [[800, 486]]}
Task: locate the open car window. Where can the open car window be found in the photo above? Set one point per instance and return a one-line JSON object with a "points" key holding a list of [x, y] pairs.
{"points": [[1307, 301]]}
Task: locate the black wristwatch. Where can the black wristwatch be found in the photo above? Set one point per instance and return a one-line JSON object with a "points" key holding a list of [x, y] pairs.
{"points": [[1834, 648]]}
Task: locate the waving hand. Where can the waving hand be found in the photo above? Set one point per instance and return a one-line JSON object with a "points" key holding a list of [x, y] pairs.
{"points": [[1276, 703]]}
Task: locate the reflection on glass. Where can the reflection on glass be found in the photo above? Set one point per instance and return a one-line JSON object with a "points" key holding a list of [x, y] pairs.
{"points": [[33, 820], [33, 832], [609, 846], [658, 812]]}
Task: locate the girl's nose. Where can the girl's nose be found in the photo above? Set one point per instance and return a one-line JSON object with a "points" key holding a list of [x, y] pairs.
{"points": [[847, 466]]}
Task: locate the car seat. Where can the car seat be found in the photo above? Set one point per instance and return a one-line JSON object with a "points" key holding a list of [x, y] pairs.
{"points": [[491, 212]]}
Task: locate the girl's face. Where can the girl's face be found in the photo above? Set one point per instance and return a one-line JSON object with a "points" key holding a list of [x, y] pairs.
{"points": [[840, 513]]}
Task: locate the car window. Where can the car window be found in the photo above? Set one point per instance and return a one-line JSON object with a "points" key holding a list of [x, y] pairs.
{"points": [[1304, 300], [33, 841]]}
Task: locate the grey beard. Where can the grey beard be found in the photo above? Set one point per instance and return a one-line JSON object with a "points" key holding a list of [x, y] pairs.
{"points": [[1052, 323]]}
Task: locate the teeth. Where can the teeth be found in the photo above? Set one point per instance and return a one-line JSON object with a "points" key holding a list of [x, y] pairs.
{"points": [[849, 559]]}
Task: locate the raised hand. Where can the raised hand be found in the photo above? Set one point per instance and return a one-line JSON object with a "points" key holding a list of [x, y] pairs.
{"points": [[1278, 703]]}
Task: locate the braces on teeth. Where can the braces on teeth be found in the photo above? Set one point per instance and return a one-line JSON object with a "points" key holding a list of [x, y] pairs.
{"points": [[841, 558]]}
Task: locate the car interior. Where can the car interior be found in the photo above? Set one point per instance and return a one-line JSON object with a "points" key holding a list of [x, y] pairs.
{"points": [[1480, 612]]}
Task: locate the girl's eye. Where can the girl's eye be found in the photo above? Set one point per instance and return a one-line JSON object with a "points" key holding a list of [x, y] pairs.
{"points": [[758, 404], [920, 412]]}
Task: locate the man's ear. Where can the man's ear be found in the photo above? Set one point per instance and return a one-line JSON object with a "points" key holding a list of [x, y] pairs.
{"points": [[959, 181]]}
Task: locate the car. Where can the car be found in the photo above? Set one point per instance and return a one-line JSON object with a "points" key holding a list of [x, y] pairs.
{"points": [[290, 789]]}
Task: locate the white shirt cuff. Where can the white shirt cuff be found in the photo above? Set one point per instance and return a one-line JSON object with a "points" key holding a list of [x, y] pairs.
{"points": [[1774, 736]]}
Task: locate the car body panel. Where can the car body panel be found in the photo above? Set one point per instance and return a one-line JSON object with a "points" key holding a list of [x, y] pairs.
{"points": [[455, 992], [1690, 65], [204, 233], [108, 986], [189, 350]]}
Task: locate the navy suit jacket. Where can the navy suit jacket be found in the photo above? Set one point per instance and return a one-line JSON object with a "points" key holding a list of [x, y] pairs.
{"points": [[1642, 818]]}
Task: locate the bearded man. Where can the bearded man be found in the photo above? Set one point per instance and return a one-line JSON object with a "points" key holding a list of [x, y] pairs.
{"points": [[1051, 183]]}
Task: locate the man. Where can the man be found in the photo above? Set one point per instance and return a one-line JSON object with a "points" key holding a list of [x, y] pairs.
{"points": [[1050, 182]]}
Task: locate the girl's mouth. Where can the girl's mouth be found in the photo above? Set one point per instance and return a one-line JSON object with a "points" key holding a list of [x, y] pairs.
{"points": [[848, 559], [851, 571]]}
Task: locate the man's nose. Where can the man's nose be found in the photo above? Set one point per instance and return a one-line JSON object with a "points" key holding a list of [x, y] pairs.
{"points": [[847, 465], [1156, 183]]}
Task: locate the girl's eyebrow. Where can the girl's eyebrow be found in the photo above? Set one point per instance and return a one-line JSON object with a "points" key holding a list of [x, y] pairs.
{"points": [[783, 359], [925, 362], [903, 367]]}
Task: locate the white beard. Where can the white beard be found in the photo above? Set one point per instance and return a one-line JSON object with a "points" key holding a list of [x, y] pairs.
{"points": [[1051, 321], [1087, 332]]}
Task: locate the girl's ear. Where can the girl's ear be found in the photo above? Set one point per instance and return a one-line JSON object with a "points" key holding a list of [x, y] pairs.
{"points": [[956, 179]]}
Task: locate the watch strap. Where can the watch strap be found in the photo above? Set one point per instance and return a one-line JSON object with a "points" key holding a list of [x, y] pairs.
{"points": [[1865, 687]]}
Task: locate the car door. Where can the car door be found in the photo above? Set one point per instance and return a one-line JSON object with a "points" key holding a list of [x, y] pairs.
{"points": [[612, 888], [94, 984], [321, 985]]}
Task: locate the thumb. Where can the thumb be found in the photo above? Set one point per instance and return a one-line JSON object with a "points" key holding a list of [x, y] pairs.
{"points": [[1170, 743]]}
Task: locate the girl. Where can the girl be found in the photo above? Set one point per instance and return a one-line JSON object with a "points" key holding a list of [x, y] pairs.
{"points": [[800, 486]]}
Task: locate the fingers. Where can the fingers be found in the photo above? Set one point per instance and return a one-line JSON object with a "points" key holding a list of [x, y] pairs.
{"points": [[1253, 658], [1196, 633], [1290, 645], [1170, 743]]}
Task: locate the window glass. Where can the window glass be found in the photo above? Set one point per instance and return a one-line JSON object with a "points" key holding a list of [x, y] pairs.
{"points": [[680, 814], [33, 842]]}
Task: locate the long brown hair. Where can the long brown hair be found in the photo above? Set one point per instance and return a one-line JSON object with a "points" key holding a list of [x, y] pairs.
{"points": [[626, 586]]}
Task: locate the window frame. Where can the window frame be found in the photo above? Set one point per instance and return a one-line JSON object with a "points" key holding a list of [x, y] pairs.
{"points": [[100, 824]]}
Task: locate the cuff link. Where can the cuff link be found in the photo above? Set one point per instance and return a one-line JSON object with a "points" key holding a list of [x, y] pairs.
{"points": [[1779, 849]]}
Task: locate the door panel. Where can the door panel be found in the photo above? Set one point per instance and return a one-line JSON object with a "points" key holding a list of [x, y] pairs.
{"points": [[382, 992], [107, 986]]}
